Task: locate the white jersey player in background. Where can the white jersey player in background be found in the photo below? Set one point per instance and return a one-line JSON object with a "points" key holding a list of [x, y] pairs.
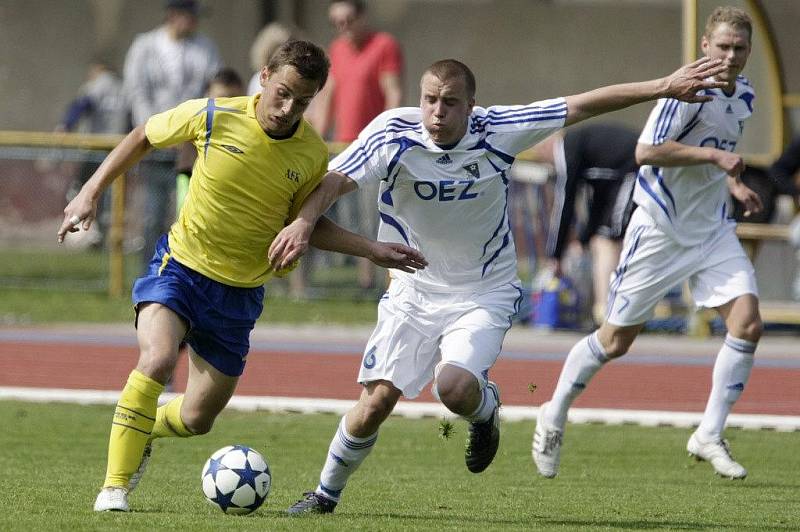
{"points": [[681, 231], [443, 173]]}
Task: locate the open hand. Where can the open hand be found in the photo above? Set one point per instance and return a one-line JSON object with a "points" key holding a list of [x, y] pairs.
{"points": [[397, 256], [688, 80], [289, 244], [746, 196]]}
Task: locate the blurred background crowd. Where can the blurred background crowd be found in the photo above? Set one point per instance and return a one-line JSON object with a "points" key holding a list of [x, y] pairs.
{"points": [[100, 67]]}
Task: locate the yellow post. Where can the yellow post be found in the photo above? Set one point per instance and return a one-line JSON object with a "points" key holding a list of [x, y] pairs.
{"points": [[116, 257], [689, 31]]}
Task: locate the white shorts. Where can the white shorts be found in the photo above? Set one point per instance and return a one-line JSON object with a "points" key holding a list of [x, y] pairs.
{"points": [[416, 331], [651, 263]]}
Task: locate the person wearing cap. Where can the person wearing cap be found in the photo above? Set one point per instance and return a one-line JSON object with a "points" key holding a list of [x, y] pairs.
{"points": [[164, 67]]}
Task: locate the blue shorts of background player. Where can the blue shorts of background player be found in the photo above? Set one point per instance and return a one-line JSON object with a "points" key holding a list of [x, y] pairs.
{"points": [[220, 317]]}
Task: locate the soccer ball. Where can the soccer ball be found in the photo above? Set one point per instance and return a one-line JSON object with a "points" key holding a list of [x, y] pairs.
{"points": [[236, 479]]}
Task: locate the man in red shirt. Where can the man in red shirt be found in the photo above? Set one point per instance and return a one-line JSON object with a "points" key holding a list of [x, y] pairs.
{"points": [[365, 80], [366, 73]]}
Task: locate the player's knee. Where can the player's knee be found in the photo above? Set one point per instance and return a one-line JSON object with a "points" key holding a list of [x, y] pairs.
{"points": [[454, 393], [158, 363], [752, 330], [616, 346]]}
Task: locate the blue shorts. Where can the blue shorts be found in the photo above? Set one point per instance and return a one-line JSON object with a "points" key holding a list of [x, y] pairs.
{"points": [[220, 317]]}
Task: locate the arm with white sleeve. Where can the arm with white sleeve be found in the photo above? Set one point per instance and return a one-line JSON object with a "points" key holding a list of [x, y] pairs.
{"points": [[364, 159]]}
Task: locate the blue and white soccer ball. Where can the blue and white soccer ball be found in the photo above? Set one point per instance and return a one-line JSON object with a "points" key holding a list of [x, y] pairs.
{"points": [[236, 479]]}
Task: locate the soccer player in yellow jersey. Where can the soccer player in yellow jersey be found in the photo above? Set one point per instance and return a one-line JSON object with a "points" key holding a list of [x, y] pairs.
{"points": [[257, 162]]}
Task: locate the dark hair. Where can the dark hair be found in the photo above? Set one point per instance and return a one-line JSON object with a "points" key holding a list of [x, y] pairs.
{"points": [[190, 6], [358, 5], [447, 69], [228, 77], [306, 57]]}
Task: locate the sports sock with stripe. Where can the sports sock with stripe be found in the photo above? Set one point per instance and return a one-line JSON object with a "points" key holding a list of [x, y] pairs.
{"points": [[345, 454], [168, 421], [486, 407], [731, 373], [130, 430], [583, 361]]}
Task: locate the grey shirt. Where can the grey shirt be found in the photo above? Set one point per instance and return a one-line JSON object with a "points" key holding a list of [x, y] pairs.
{"points": [[161, 72]]}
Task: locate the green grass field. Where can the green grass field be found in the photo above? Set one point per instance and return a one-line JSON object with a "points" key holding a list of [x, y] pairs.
{"points": [[68, 286], [621, 477]]}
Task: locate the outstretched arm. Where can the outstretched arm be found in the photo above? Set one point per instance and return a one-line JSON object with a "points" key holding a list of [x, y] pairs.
{"points": [[329, 236], [83, 207], [683, 84], [293, 240]]}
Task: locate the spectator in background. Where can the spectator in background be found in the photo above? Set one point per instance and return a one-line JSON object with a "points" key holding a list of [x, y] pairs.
{"points": [[785, 171], [601, 157], [225, 84], [266, 42], [366, 79], [785, 174], [99, 108], [163, 68]]}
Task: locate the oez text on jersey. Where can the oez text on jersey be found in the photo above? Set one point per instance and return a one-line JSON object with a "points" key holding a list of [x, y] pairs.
{"points": [[445, 190]]}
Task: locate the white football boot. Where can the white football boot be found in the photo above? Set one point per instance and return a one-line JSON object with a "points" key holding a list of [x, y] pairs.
{"points": [[112, 500], [718, 454], [546, 449]]}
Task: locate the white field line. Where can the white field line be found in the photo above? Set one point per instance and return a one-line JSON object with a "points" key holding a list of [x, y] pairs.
{"points": [[647, 418]]}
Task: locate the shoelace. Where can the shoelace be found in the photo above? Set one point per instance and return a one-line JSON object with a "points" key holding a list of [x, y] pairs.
{"points": [[307, 496], [726, 447], [552, 440]]}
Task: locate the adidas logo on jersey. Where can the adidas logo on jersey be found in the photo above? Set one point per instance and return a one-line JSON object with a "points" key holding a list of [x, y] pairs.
{"points": [[444, 159], [729, 110]]}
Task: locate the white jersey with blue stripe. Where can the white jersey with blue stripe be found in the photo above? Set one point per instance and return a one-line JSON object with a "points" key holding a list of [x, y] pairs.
{"points": [[689, 203], [451, 202]]}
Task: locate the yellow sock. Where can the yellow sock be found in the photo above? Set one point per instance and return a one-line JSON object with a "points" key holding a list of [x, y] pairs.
{"points": [[131, 428], [168, 421]]}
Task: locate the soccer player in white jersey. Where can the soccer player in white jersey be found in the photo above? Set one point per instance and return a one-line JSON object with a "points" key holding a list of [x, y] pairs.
{"points": [[443, 173], [681, 231]]}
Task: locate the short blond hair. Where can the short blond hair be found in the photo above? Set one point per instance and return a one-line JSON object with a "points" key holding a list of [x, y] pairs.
{"points": [[738, 18]]}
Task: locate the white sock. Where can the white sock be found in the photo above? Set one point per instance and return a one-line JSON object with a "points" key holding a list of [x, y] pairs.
{"points": [[731, 372], [583, 361], [485, 409], [345, 454]]}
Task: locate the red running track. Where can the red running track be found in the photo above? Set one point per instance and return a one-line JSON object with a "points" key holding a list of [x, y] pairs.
{"points": [[672, 387]]}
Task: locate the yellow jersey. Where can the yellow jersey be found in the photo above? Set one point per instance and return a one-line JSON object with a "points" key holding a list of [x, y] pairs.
{"points": [[245, 186]]}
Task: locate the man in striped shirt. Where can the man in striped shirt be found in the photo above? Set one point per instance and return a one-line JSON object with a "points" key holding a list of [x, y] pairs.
{"points": [[443, 173], [681, 231]]}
